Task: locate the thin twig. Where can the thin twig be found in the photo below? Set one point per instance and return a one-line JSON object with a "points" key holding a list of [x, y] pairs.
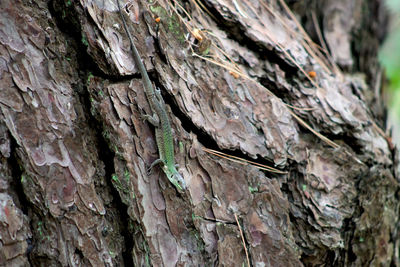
{"points": [[243, 161], [244, 244], [324, 46]]}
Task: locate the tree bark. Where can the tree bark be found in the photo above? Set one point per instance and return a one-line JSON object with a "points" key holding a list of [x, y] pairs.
{"points": [[239, 77]]}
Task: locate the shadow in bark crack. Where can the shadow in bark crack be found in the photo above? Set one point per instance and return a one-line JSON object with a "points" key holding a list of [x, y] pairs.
{"points": [[205, 138], [106, 155]]}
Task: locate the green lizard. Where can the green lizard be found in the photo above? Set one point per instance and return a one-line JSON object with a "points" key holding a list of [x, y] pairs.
{"points": [[159, 119]]}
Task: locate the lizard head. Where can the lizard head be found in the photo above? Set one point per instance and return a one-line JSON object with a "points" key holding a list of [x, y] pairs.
{"points": [[179, 182], [175, 178]]}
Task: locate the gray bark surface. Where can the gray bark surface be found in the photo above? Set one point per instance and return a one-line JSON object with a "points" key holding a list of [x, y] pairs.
{"points": [[74, 149]]}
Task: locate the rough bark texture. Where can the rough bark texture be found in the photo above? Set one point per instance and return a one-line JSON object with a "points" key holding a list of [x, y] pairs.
{"points": [[74, 187]]}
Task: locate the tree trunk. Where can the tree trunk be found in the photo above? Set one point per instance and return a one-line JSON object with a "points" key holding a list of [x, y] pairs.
{"points": [[238, 77]]}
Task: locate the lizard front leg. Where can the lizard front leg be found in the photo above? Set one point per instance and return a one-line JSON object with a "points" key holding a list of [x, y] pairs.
{"points": [[153, 120]]}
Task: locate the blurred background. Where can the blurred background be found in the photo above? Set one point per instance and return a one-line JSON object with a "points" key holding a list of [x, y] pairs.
{"points": [[389, 57]]}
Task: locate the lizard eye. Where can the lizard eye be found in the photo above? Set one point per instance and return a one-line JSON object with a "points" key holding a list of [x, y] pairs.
{"points": [[180, 182]]}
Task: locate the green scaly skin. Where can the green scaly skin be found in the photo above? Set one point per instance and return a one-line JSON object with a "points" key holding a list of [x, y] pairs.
{"points": [[159, 119]]}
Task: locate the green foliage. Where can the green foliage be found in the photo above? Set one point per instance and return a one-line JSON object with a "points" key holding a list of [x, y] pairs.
{"points": [[90, 76], [304, 187], [84, 41], [389, 56], [171, 22], [393, 5], [253, 189]]}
